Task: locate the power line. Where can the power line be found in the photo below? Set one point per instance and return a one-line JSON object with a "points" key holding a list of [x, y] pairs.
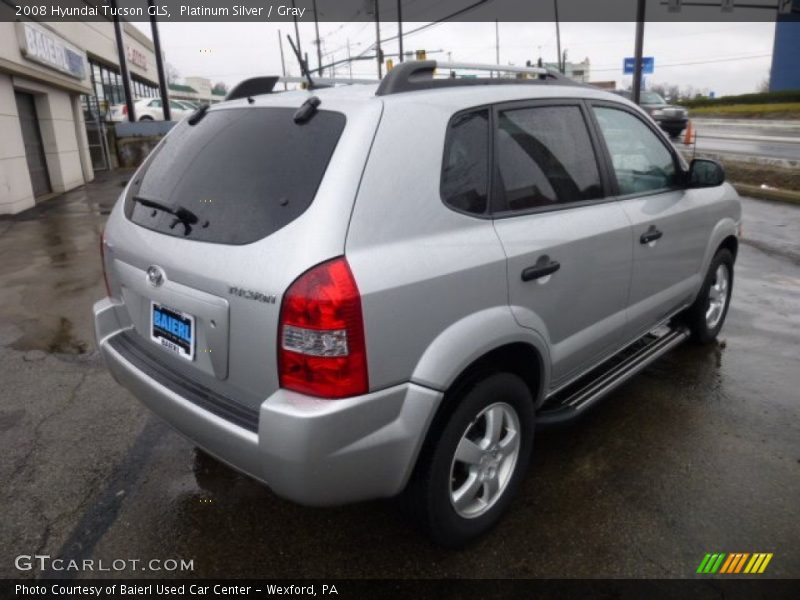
{"points": [[432, 23]]}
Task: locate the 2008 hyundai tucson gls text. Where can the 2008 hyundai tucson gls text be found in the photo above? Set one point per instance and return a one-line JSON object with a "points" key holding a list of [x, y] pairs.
{"points": [[354, 292]]}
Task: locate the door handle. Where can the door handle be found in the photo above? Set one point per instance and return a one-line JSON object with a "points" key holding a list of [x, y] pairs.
{"points": [[540, 269], [651, 235]]}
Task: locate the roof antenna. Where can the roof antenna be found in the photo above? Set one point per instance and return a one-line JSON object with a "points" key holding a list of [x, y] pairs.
{"points": [[303, 66]]}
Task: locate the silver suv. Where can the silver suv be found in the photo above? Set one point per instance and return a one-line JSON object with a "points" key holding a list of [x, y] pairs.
{"points": [[354, 292]]}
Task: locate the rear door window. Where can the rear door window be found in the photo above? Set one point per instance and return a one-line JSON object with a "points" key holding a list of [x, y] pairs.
{"points": [[244, 173], [545, 157]]}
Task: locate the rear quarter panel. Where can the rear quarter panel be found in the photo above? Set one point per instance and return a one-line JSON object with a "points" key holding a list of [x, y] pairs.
{"points": [[432, 281]]}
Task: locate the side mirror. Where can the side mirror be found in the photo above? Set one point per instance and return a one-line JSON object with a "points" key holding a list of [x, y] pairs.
{"points": [[704, 172]]}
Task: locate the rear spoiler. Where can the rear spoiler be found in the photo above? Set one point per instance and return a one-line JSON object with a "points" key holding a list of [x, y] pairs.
{"points": [[253, 87]]}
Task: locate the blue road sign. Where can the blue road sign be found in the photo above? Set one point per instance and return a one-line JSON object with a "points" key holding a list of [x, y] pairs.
{"points": [[648, 64]]}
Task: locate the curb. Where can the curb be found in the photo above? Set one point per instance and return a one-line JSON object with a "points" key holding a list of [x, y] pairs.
{"points": [[756, 191]]}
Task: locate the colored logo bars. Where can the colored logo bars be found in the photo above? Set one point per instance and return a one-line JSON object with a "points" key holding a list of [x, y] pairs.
{"points": [[730, 564]]}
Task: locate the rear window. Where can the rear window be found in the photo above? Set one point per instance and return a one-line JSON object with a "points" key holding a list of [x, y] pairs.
{"points": [[244, 173]]}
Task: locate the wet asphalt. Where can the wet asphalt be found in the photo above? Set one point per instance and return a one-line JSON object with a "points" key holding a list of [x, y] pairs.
{"points": [[700, 453]]}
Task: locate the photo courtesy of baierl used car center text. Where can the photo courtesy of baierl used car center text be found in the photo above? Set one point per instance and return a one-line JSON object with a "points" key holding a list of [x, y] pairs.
{"points": [[400, 299]]}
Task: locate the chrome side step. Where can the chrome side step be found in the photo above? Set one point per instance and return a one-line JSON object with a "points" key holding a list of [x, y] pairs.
{"points": [[573, 400]]}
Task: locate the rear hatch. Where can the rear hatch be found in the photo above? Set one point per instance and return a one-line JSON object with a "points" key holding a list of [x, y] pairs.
{"points": [[217, 223]]}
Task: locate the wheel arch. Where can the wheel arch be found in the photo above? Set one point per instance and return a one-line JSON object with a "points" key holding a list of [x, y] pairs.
{"points": [[513, 357], [730, 243], [478, 340], [724, 235]]}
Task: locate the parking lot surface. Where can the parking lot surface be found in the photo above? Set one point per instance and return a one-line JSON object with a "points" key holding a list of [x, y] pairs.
{"points": [[700, 453]]}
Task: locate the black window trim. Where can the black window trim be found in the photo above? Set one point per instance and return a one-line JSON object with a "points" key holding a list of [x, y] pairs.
{"points": [[659, 134], [597, 148]]}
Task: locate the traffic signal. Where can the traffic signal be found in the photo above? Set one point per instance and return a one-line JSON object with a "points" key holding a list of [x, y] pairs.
{"points": [[420, 54], [389, 65]]}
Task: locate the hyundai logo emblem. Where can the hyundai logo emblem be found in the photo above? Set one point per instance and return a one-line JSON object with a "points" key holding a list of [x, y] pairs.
{"points": [[155, 275]]}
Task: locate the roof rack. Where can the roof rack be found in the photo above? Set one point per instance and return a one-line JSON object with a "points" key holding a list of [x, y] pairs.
{"points": [[419, 75], [328, 81]]}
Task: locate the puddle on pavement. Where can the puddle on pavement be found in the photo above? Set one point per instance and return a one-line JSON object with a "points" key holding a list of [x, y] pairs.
{"points": [[53, 336], [51, 263]]}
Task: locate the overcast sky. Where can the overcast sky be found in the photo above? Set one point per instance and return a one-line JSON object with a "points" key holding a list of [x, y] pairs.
{"points": [[726, 58]]}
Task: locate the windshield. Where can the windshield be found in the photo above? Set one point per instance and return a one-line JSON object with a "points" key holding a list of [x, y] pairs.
{"points": [[651, 98], [245, 173]]}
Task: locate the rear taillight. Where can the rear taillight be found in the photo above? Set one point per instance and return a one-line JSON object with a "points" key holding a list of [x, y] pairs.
{"points": [[321, 349], [103, 262], [124, 109]]}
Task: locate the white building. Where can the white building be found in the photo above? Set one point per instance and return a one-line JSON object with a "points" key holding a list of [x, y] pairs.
{"points": [[196, 89], [576, 71], [56, 82]]}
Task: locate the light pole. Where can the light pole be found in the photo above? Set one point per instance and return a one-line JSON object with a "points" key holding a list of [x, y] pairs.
{"points": [[378, 51], [317, 41], [400, 26], [123, 64], [637, 60], [162, 81], [558, 39]]}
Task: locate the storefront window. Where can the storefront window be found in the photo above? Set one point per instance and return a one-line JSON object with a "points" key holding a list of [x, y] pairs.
{"points": [[109, 90]]}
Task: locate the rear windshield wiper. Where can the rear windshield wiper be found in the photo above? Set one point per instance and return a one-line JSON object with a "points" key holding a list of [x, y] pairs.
{"points": [[182, 215]]}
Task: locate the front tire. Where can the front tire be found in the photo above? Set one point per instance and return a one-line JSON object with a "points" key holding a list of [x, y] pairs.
{"points": [[472, 470], [707, 315]]}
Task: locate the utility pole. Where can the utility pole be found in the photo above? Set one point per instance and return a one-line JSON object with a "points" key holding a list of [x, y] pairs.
{"points": [[162, 80], [496, 47], [496, 42], [558, 39], [297, 34], [123, 64], [400, 26], [283, 61], [637, 61], [349, 60], [318, 42], [378, 52]]}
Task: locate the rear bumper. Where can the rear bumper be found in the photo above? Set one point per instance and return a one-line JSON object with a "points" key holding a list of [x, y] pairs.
{"points": [[312, 451]]}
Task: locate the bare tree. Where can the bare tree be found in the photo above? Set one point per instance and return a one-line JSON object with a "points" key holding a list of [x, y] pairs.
{"points": [[670, 92], [763, 87], [172, 74]]}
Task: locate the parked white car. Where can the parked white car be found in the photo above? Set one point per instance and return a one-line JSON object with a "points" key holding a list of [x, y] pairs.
{"points": [[149, 109]]}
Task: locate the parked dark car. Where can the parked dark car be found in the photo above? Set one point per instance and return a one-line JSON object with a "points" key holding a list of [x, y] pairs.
{"points": [[670, 118]]}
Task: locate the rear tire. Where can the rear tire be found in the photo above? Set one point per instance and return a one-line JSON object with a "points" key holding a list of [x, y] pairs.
{"points": [[146, 118], [470, 472], [707, 315]]}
